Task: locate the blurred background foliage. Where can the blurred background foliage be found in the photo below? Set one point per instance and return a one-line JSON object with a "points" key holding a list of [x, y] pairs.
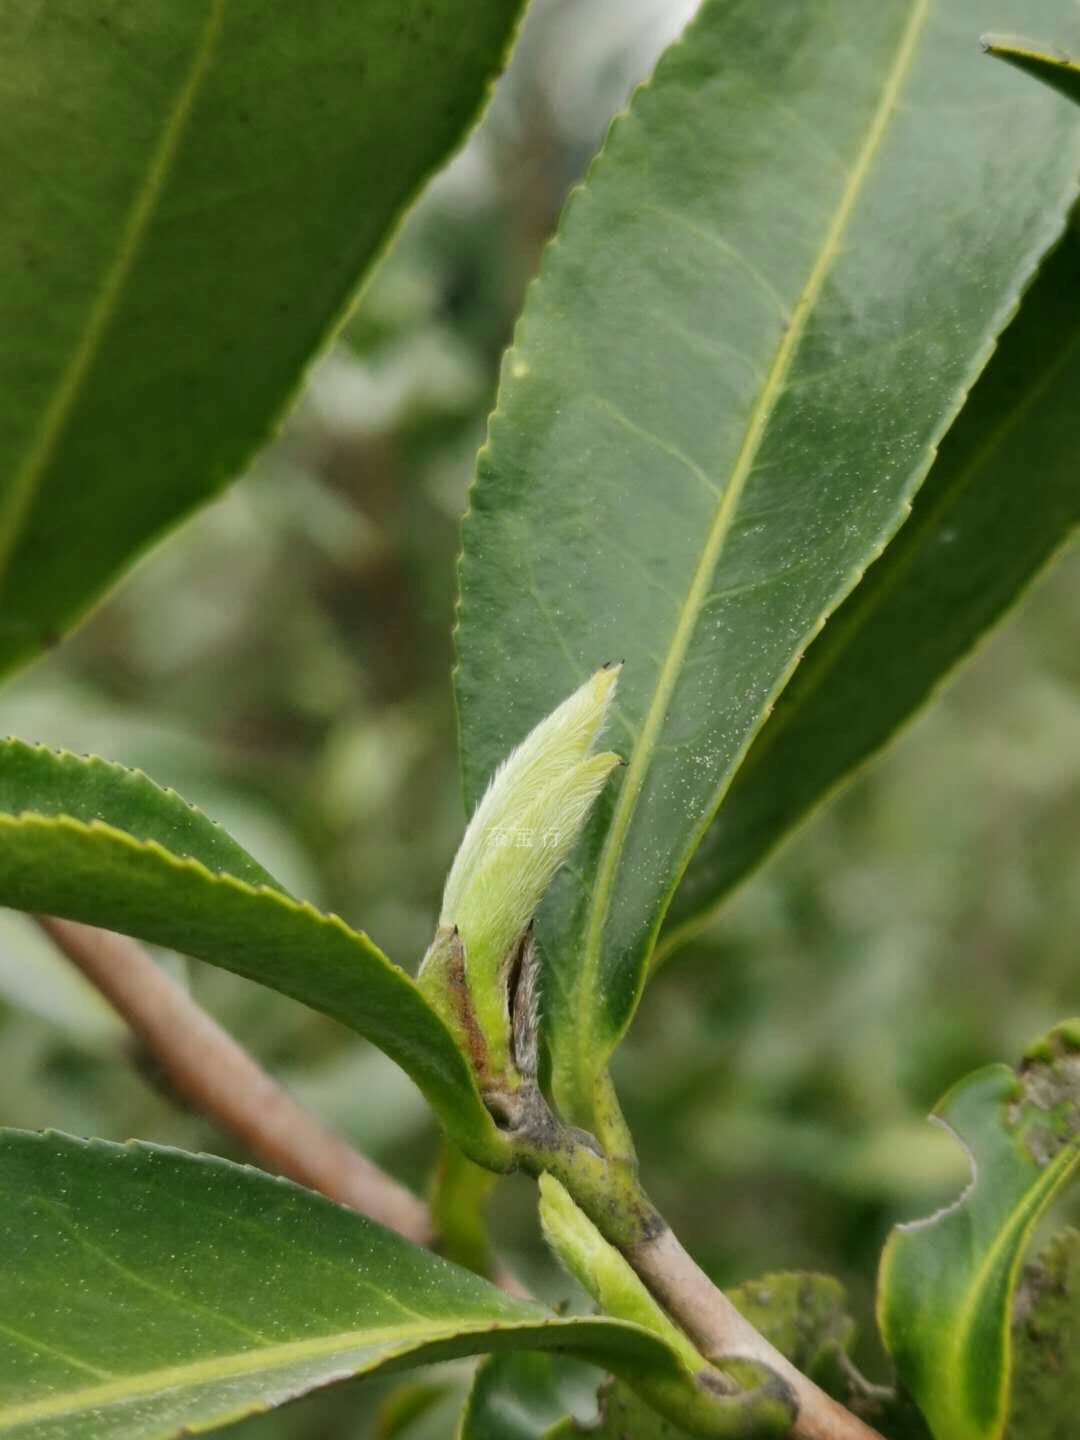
{"points": [[284, 662]]}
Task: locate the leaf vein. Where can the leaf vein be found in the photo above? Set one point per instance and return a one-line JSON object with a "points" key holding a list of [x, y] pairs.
{"points": [[39, 1346], [182, 1302], [665, 446], [586, 1050]]}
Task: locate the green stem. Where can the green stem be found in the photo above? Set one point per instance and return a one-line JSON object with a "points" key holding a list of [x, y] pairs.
{"points": [[609, 1191]]}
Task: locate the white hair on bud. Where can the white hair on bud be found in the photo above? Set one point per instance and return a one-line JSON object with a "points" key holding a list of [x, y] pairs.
{"points": [[525, 827], [525, 1011]]}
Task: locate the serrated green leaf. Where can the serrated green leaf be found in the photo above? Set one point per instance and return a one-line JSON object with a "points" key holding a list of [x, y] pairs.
{"points": [[975, 538], [191, 195], [90, 841], [56, 783], [946, 1283], [764, 309], [1058, 71], [146, 1293], [1046, 1343]]}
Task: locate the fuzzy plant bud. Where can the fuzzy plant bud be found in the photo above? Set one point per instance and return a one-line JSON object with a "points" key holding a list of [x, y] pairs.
{"points": [[521, 832]]}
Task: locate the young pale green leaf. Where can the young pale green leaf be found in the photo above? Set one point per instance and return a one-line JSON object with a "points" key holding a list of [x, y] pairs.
{"points": [[946, 1284], [1059, 71], [519, 835], [516, 1397], [607, 1276], [91, 841], [1046, 1343], [601, 1271], [763, 311], [145, 1293], [191, 195], [976, 537]]}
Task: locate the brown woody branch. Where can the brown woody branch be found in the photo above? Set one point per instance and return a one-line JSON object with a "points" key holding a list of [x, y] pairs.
{"points": [[721, 1333], [609, 1192], [207, 1067]]}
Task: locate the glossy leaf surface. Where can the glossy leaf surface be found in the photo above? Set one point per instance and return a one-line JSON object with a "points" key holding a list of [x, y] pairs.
{"points": [[764, 309], [56, 783], [1002, 496], [90, 841], [946, 1284], [191, 195], [146, 1293]]}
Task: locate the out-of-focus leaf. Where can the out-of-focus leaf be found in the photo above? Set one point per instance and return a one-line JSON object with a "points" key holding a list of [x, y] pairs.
{"points": [[94, 842], [145, 1292], [975, 538], [1059, 71], [35, 978], [191, 195], [805, 1316], [424, 1409], [624, 1416], [946, 1283], [404, 1407], [764, 309], [519, 1396], [460, 1191], [1046, 1343], [762, 1407]]}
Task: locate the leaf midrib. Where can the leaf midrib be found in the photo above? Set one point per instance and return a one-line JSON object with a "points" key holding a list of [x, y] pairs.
{"points": [[586, 1050], [27, 478], [248, 1362]]}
